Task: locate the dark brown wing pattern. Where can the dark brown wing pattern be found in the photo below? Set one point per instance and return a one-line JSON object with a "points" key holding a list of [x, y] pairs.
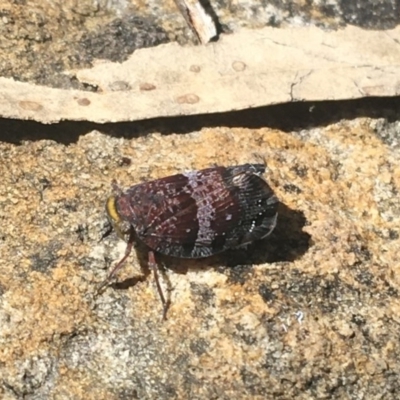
{"points": [[202, 213]]}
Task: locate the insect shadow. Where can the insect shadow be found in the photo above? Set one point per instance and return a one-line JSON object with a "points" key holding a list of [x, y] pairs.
{"points": [[286, 243]]}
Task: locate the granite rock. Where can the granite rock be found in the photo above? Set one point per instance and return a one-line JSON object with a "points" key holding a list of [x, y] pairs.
{"points": [[310, 311]]}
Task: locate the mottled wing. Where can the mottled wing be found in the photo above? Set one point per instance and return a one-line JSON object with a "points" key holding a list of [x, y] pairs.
{"points": [[258, 211], [162, 213], [202, 213]]}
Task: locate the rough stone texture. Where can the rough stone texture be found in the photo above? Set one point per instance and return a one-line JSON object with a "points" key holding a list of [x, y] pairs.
{"points": [[310, 312], [40, 39]]}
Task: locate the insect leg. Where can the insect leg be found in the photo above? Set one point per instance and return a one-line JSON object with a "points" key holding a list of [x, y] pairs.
{"points": [[153, 266], [120, 263]]}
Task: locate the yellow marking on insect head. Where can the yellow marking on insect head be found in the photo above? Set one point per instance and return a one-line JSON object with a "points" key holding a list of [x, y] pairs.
{"points": [[112, 212]]}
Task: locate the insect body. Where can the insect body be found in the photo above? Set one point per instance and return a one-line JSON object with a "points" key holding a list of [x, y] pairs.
{"points": [[195, 214]]}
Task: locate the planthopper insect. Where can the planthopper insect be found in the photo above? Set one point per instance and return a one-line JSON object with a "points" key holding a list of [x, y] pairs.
{"points": [[194, 214]]}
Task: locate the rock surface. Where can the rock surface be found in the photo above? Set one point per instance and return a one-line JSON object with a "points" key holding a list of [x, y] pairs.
{"points": [[310, 311]]}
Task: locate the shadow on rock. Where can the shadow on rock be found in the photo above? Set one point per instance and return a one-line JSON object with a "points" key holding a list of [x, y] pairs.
{"points": [[286, 243]]}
